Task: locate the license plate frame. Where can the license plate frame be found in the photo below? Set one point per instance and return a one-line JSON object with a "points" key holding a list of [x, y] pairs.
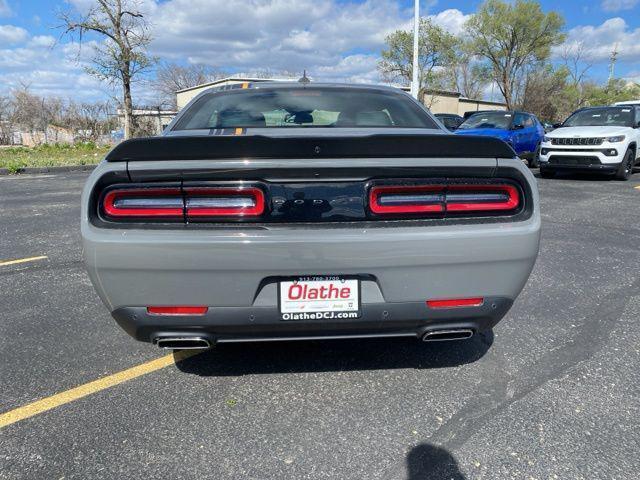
{"points": [[329, 312]]}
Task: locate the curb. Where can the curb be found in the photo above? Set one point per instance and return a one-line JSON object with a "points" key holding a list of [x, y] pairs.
{"points": [[68, 168]]}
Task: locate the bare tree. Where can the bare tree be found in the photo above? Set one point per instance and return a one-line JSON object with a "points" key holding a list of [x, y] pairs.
{"points": [[35, 114], [123, 54], [171, 77], [577, 67], [88, 121], [6, 120]]}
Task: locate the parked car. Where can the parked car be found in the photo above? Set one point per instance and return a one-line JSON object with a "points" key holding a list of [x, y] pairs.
{"points": [[466, 115], [600, 139], [548, 126], [450, 120], [628, 102], [293, 211], [522, 131]]}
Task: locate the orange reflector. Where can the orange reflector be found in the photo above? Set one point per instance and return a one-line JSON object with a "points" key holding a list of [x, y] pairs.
{"points": [[177, 310], [456, 302]]}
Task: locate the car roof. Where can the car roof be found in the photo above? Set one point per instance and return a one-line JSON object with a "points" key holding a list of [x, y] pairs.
{"points": [[274, 85]]}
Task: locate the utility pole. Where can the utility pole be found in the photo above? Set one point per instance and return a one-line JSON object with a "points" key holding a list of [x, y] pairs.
{"points": [[415, 86], [612, 62]]}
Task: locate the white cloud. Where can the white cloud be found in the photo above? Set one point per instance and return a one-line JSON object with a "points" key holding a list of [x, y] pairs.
{"points": [[633, 76], [599, 41], [359, 68], [42, 41], [618, 5], [452, 20], [11, 35], [49, 69], [5, 9], [332, 40], [292, 35]]}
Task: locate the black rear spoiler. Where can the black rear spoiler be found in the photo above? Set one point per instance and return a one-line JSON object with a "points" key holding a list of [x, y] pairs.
{"points": [[260, 146]]}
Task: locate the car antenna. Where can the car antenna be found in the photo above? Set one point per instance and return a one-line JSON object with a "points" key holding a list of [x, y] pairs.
{"points": [[304, 79]]}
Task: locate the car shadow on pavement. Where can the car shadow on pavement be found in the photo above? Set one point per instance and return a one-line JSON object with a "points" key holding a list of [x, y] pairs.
{"points": [[584, 176], [428, 462], [233, 359]]}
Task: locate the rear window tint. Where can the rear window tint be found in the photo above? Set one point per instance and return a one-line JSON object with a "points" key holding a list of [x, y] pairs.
{"points": [[308, 107]]}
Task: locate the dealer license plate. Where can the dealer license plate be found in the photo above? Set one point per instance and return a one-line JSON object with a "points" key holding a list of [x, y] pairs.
{"points": [[318, 298]]}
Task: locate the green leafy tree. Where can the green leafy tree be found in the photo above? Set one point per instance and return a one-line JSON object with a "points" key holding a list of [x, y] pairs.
{"points": [[436, 50], [513, 36], [617, 90]]}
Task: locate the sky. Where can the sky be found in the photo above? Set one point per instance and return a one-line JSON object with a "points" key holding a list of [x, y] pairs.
{"points": [[334, 40]]}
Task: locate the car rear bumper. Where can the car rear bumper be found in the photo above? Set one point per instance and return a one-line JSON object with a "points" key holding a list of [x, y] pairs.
{"points": [[233, 270], [231, 324], [233, 274]]}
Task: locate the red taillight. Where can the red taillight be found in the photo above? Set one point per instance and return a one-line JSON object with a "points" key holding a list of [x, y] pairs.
{"points": [[224, 202], [144, 202], [455, 198], [183, 310], [456, 302], [172, 203]]}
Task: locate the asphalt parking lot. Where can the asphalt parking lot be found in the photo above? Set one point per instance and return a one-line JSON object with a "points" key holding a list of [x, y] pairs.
{"points": [[552, 393]]}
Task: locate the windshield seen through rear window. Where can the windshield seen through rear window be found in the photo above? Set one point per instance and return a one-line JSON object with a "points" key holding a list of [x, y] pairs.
{"points": [[488, 120], [308, 107], [598, 117]]}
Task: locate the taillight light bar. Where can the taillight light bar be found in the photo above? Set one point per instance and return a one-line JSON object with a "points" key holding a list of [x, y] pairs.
{"points": [[406, 199], [432, 199], [224, 202], [482, 198], [171, 203]]}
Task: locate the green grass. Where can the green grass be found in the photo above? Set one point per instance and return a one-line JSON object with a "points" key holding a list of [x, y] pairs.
{"points": [[15, 158]]}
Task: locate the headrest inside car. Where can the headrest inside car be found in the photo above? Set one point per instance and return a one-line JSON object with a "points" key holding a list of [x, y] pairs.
{"points": [[240, 118], [372, 119]]}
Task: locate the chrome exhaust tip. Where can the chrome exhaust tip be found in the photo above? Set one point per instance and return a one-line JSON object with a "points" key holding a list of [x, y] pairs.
{"points": [[446, 335], [182, 343]]}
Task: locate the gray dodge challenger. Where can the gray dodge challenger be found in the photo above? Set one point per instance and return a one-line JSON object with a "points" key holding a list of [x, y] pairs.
{"points": [[281, 211]]}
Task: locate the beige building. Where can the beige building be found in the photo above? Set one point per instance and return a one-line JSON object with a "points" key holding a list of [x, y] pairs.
{"points": [[436, 101], [151, 121], [185, 96], [454, 102]]}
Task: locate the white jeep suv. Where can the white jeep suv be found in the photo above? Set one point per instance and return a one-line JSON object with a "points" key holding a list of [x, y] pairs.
{"points": [[601, 139]]}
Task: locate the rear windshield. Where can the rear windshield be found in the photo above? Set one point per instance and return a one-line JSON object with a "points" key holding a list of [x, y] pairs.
{"points": [[598, 117], [488, 120], [308, 107]]}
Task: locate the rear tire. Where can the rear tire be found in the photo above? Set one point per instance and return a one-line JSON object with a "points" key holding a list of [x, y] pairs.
{"points": [[626, 166], [545, 173]]}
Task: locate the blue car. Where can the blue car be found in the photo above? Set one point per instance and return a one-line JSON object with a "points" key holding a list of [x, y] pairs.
{"points": [[523, 131]]}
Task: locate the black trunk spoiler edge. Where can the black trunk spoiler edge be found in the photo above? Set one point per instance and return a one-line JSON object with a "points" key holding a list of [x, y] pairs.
{"points": [[259, 146]]}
